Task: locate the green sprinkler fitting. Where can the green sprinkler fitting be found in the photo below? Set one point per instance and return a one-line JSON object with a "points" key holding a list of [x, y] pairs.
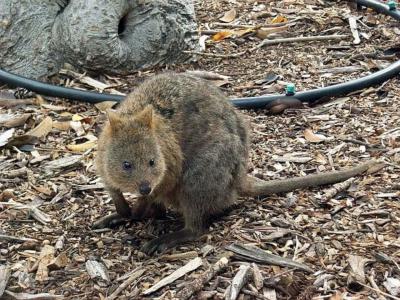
{"points": [[290, 89], [392, 5]]}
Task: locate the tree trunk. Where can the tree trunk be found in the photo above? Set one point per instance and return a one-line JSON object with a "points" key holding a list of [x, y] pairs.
{"points": [[38, 36]]}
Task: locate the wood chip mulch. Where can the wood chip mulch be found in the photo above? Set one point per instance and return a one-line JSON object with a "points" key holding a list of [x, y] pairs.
{"points": [[335, 245]]}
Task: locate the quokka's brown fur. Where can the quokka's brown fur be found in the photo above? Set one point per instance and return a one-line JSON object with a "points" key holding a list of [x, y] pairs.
{"points": [[177, 141]]}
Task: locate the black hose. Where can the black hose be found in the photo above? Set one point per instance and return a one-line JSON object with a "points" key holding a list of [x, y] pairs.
{"points": [[250, 102], [56, 91], [329, 91]]}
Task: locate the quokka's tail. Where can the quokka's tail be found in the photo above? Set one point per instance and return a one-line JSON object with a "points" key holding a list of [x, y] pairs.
{"points": [[257, 187]]}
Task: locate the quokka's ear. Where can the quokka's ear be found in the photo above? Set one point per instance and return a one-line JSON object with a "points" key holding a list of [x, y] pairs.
{"points": [[113, 118], [146, 117]]}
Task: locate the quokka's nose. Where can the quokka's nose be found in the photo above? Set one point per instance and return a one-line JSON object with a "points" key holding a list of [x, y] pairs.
{"points": [[144, 188]]}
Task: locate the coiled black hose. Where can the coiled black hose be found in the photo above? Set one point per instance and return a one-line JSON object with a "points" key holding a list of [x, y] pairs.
{"points": [[249, 102], [329, 91], [56, 91]]}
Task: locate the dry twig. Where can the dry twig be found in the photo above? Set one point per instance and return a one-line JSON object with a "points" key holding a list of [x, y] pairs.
{"points": [[257, 277], [126, 283], [354, 30], [375, 286], [252, 253], [196, 285], [180, 256], [238, 282], [379, 291], [7, 103], [302, 39], [5, 274], [97, 270], [17, 239], [337, 188], [24, 296], [234, 55], [190, 266]]}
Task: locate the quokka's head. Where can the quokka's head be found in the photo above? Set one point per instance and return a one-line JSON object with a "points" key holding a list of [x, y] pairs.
{"points": [[133, 158]]}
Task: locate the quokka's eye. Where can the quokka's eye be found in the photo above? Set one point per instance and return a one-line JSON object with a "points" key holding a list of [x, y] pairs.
{"points": [[152, 162], [127, 166]]}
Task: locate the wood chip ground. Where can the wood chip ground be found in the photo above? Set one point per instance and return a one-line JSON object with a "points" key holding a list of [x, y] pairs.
{"points": [[348, 236]]}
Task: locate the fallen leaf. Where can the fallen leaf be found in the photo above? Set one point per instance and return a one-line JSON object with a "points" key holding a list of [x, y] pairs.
{"points": [[77, 118], [321, 159], [77, 127], [229, 16], [21, 140], [82, 147], [7, 139], [56, 108], [207, 75], [279, 19], [222, 35], [63, 162], [189, 267], [103, 106], [263, 33], [6, 136], [63, 126], [37, 214], [314, 137], [42, 129], [9, 121], [43, 189], [66, 115], [242, 32], [227, 33], [7, 103]]}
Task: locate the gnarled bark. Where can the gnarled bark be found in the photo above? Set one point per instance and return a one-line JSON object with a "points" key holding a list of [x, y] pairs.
{"points": [[38, 36]]}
